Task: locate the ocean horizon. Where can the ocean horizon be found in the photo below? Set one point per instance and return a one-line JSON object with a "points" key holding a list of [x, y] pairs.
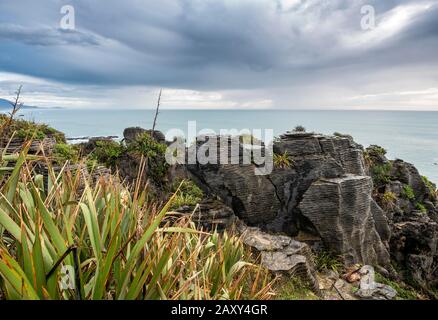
{"points": [[408, 135]]}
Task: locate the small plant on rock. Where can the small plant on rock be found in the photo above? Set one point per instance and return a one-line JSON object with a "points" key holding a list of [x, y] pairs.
{"points": [[294, 288], [107, 152], [327, 261], [420, 207], [188, 194], [155, 152], [389, 199], [430, 186], [299, 129], [381, 174], [63, 152], [404, 293], [283, 161], [408, 193], [377, 150]]}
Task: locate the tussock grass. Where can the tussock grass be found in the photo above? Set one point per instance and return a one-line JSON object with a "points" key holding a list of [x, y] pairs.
{"points": [[115, 239], [326, 261], [283, 161]]}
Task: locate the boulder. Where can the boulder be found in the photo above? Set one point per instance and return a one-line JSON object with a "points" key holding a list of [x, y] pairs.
{"points": [[270, 201], [253, 198], [132, 133], [281, 254], [325, 171], [341, 209], [327, 193], [414, 245], [370, 289]]}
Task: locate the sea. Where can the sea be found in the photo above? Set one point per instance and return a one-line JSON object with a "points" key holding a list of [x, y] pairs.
{"points": [[408, 135]]}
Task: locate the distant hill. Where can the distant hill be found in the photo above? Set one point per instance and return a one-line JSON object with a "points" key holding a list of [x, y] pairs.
{"points": [[6, 105]]}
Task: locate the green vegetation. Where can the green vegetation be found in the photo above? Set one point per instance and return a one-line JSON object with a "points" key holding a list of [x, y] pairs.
{"points": [[118, 245], [326, 261], [430, 186], [91, 164], [29, 130], [368, 160], [372, 157], [294, 289], [187, 194], [419, 206], [63, 152], [408, 192], [30, 133], [406, 293], [381, 174], [299, 129], [283, 161], [107, 152], [388, 199], [155, 152], [377, 150]]}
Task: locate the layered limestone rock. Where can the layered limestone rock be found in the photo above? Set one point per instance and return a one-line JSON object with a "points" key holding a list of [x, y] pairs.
{"points": [[282, 254], [253, 198], [341, 209], [294, 199], [342, 149], [45, 146]]}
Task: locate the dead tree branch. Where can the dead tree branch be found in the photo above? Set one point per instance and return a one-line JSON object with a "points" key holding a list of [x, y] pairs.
{"points": [[16, 106], [156, 113]]}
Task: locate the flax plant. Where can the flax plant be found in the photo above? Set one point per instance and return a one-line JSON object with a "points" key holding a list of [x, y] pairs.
{"points": [[115, 241]]}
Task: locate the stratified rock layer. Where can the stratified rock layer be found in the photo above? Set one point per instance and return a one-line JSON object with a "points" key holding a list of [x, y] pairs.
{"points": [[324, 192], [282, 254], [341, 209]]}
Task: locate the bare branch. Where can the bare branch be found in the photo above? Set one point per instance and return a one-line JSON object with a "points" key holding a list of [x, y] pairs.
{"points": [[16, 106], [156, 113]]}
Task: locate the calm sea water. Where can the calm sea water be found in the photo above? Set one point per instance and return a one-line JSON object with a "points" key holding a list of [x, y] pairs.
{"points": [[411, 136]]}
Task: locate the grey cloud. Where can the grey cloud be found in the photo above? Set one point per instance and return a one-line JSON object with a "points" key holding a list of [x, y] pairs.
{"points": [[217, 44], [46, 36]]}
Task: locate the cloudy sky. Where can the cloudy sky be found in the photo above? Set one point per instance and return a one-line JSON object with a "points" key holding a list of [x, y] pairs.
{"points": [[231, 54]]}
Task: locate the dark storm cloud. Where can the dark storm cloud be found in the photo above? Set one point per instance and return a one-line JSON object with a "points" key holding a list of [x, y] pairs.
{"points": [[46, 36], [220, 44]]}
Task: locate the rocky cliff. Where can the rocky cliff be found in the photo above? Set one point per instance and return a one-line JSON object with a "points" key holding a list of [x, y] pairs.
{"points": [[326, 192], [330, 196]]}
